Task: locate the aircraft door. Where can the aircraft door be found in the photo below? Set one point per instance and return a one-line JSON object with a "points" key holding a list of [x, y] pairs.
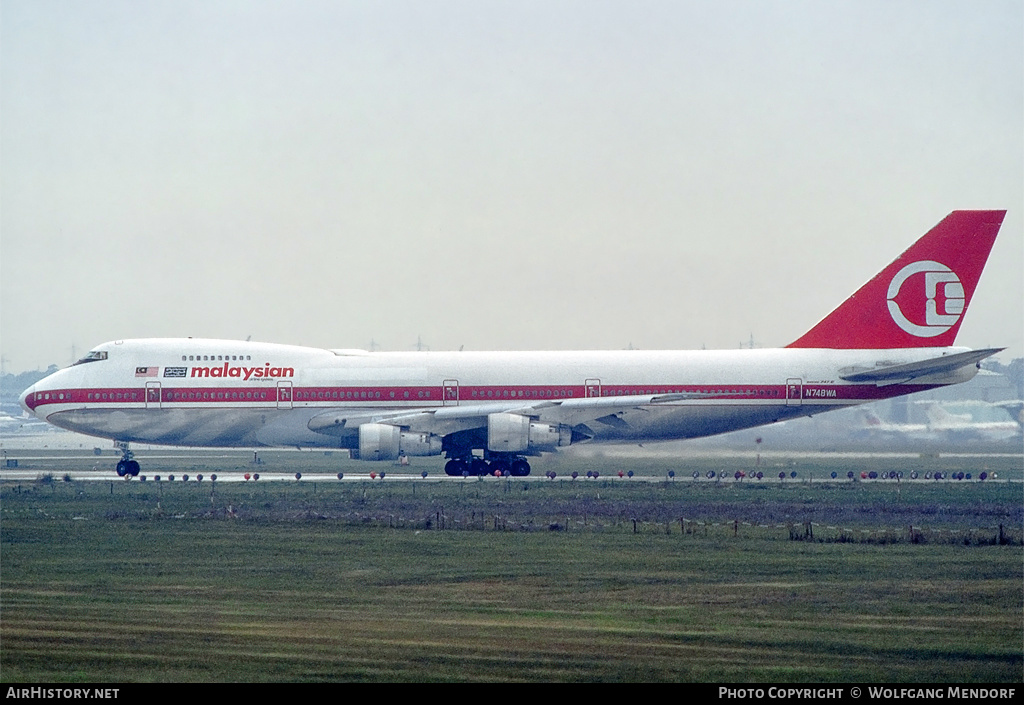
{"points": [[153, 395], [794, 391], [592, 388], [450, 392], [284, 395]]}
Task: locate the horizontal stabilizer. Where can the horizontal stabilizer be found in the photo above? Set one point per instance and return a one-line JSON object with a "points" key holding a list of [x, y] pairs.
{"points": [[944, 364]]}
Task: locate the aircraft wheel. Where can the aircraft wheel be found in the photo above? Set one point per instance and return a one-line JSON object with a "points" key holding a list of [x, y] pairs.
{"points": [[455, 468], [520, 468], [133, 468], [479, 467], [122, 468]]}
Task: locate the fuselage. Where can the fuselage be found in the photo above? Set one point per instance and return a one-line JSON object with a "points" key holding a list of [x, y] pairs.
{"points": [[219, 393]]}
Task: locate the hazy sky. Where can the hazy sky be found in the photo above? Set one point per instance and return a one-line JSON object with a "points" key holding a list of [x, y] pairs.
{"points": [[494, 175]]}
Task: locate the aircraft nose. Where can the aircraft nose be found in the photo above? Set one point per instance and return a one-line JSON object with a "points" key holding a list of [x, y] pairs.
{"points": [[25, 398]]}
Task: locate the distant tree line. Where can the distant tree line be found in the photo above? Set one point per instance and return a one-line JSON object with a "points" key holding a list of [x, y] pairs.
{"points": [[11, 386]]}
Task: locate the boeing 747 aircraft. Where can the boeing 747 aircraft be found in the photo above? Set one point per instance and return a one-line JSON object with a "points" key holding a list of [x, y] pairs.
{"points": [[489, 411]]}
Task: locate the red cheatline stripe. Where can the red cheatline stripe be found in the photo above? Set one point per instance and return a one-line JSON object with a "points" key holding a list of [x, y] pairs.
{"points": [[466, 394]]}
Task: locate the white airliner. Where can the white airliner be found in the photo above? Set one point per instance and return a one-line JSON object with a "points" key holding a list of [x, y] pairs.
{"points": [[892, 433], [488, 411], [971, 421]]}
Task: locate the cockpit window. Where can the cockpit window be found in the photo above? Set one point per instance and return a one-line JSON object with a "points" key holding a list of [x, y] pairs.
{"points": [[94, 356]]}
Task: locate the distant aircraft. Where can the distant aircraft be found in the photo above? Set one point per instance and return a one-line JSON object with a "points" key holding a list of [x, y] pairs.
{"points": [[1015, 408], [896, 432], [21, 424], [489, 411], [957, 422]]}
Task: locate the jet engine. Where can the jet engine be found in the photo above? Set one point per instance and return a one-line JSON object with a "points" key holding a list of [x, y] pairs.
{"points": [[379, 441], [514, 433]]}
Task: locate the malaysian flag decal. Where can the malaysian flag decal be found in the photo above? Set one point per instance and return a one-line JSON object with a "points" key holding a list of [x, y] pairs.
{"points": [[146, 371]]}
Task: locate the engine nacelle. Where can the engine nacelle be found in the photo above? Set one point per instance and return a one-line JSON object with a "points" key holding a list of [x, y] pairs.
{"points": [[514, 433], [413, 443], [380, 441]]}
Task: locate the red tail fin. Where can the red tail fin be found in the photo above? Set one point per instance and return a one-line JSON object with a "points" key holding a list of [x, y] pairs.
{"points": [[919, 300]]}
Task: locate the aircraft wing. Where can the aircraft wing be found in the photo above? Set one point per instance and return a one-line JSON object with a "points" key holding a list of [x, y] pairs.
{"points": [[901, 374], [443, 420]]}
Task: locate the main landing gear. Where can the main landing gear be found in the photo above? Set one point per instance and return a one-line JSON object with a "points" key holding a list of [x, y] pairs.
{"points": [[472, 466], [126, 466]]}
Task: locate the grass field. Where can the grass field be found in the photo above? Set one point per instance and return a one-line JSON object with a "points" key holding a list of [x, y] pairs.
{"points": [[491, 580]]}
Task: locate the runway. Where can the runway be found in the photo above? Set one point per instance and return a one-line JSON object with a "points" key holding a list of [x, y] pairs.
{"points": [[33, 475]]}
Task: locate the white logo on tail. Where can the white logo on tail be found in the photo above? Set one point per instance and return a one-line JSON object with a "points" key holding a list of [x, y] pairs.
{"points": [[935, 275]]}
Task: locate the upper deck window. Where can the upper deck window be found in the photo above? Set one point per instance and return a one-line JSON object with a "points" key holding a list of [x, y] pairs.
{"points": [[94, 356]]}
